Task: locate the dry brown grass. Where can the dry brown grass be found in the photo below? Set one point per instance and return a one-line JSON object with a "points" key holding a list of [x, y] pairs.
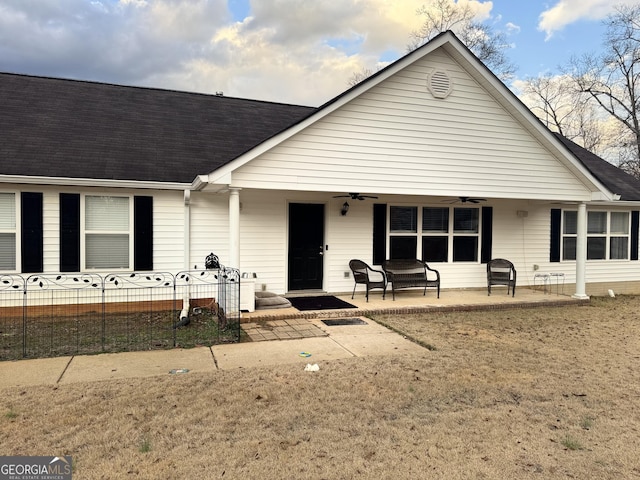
{"points": [[539, 393]]}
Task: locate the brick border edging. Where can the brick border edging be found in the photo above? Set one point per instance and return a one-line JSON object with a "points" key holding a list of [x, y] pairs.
{"points": [[360, 312]]}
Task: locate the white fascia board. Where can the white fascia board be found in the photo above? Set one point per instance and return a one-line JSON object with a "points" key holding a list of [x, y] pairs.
{"points": [[200, 182], [616, 204], [601, 197], [92, 182]]}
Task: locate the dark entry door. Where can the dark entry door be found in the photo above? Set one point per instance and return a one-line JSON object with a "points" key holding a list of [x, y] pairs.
{"points": [[306, 245]]}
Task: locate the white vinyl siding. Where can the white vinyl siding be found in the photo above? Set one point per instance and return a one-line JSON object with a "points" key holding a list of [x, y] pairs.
{"points": [[397, 138], [8, 232]]}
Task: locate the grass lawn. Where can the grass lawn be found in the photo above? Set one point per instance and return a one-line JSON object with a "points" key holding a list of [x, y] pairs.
{"points": [[545, 393]]}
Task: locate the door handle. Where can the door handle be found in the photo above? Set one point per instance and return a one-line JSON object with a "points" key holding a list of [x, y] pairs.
{"points": [[321, 251]]}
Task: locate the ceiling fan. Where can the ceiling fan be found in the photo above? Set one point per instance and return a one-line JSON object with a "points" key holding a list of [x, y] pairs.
{"points": [[466, 200], [355, 196]]}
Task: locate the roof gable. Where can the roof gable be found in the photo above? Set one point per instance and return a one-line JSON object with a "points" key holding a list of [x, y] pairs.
{"points": [[457, 51]]}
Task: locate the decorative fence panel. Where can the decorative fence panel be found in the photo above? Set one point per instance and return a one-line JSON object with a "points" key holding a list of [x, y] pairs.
{"points": [[47, 315]]}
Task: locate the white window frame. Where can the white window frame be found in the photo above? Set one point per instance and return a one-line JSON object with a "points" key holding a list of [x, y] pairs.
{"points": [[607, 235], [419, 234], [15, 230], [85, 232]]}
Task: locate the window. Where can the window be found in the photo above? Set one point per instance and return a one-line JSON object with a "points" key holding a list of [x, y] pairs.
{"points": [[465, 234], [107, 232], [435, 239], [114, 233], [608, 235], [403, 226], [438, 234], [7, 231]]}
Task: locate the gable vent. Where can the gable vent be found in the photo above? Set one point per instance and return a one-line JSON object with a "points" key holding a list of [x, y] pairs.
{"points": [[439, 84]]}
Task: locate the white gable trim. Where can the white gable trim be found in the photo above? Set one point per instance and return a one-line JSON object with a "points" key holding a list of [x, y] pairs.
{"points": [[454, 47]]}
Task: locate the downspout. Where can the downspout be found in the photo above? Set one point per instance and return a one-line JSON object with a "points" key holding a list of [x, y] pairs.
{"points": [[581, 253], [184, 314]]}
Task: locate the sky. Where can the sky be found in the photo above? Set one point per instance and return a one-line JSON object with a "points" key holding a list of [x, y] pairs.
{"points": [[292, 51]]}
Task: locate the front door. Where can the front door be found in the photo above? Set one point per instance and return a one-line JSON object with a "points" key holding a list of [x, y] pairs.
{"points": [[306, 245]]}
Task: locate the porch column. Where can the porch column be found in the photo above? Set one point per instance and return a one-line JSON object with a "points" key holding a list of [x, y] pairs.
{"points": [[581, 253], [234, 227]]}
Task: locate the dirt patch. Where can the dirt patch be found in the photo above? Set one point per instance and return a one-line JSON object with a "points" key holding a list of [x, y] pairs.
{"points": [[525, 393]]}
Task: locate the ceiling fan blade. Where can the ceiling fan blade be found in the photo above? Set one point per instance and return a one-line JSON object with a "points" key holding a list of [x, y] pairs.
{"points": [[464, 200]]}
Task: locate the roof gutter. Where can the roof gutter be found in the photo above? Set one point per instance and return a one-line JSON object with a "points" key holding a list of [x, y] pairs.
{"points": [[92, 182]]}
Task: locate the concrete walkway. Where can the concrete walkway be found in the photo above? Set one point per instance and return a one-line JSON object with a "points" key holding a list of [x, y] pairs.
{"points": [[332, 342]]}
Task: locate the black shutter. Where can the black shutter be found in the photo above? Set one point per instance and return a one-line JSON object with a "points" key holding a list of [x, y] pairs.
{"points": [[379, 233], [69, 232], [31, 225], [142, 233], [635, 224], [554, 247], [487, 234]]}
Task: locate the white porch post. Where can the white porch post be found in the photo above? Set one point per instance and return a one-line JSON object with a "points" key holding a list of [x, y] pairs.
{"points": [[234, 228], [581, 253]]}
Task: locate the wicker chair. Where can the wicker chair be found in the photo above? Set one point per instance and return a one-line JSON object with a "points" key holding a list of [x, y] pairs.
{"points": [[365, 275], [501, 272]]}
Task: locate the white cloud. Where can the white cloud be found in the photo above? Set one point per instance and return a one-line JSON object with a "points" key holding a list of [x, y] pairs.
{"points": [[512, 28], [297, 51], [566, 12]]}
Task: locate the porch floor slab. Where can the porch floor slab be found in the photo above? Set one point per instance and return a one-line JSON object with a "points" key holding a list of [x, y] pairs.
{"points": [[412, 301]]}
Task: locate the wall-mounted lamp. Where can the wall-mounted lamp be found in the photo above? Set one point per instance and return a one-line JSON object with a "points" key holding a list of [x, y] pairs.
{"points": [[345, 208]]}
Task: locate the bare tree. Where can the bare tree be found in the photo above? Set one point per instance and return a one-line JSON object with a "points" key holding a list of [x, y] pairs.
{"points": [[488, 45], [363, 74], [612, 80], [443, 15], [564, 109]]}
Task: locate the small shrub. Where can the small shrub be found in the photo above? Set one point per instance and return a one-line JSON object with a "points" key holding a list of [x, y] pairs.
{"points": [[145, 445], [586, 423], [571, 443]]}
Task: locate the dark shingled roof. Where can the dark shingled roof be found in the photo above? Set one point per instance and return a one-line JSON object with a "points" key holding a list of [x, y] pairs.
{"points": [[615, 179], [65, 128]]}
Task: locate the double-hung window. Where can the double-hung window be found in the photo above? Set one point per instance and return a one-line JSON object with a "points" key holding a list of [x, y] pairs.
{"points": [[107, 232], [100, 232], [8, 232], [608, 235], [434, 234]]}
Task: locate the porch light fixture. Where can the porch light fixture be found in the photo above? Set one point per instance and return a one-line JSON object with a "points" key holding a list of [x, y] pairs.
{"points": [[345, 208]]}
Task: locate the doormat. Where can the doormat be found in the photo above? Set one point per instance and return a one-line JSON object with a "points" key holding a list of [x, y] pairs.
{"points": [[335, 322], [323, 302]]}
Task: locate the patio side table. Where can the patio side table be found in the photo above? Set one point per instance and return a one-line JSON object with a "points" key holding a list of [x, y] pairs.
{"points": [[543, 278], [557, 276]]}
